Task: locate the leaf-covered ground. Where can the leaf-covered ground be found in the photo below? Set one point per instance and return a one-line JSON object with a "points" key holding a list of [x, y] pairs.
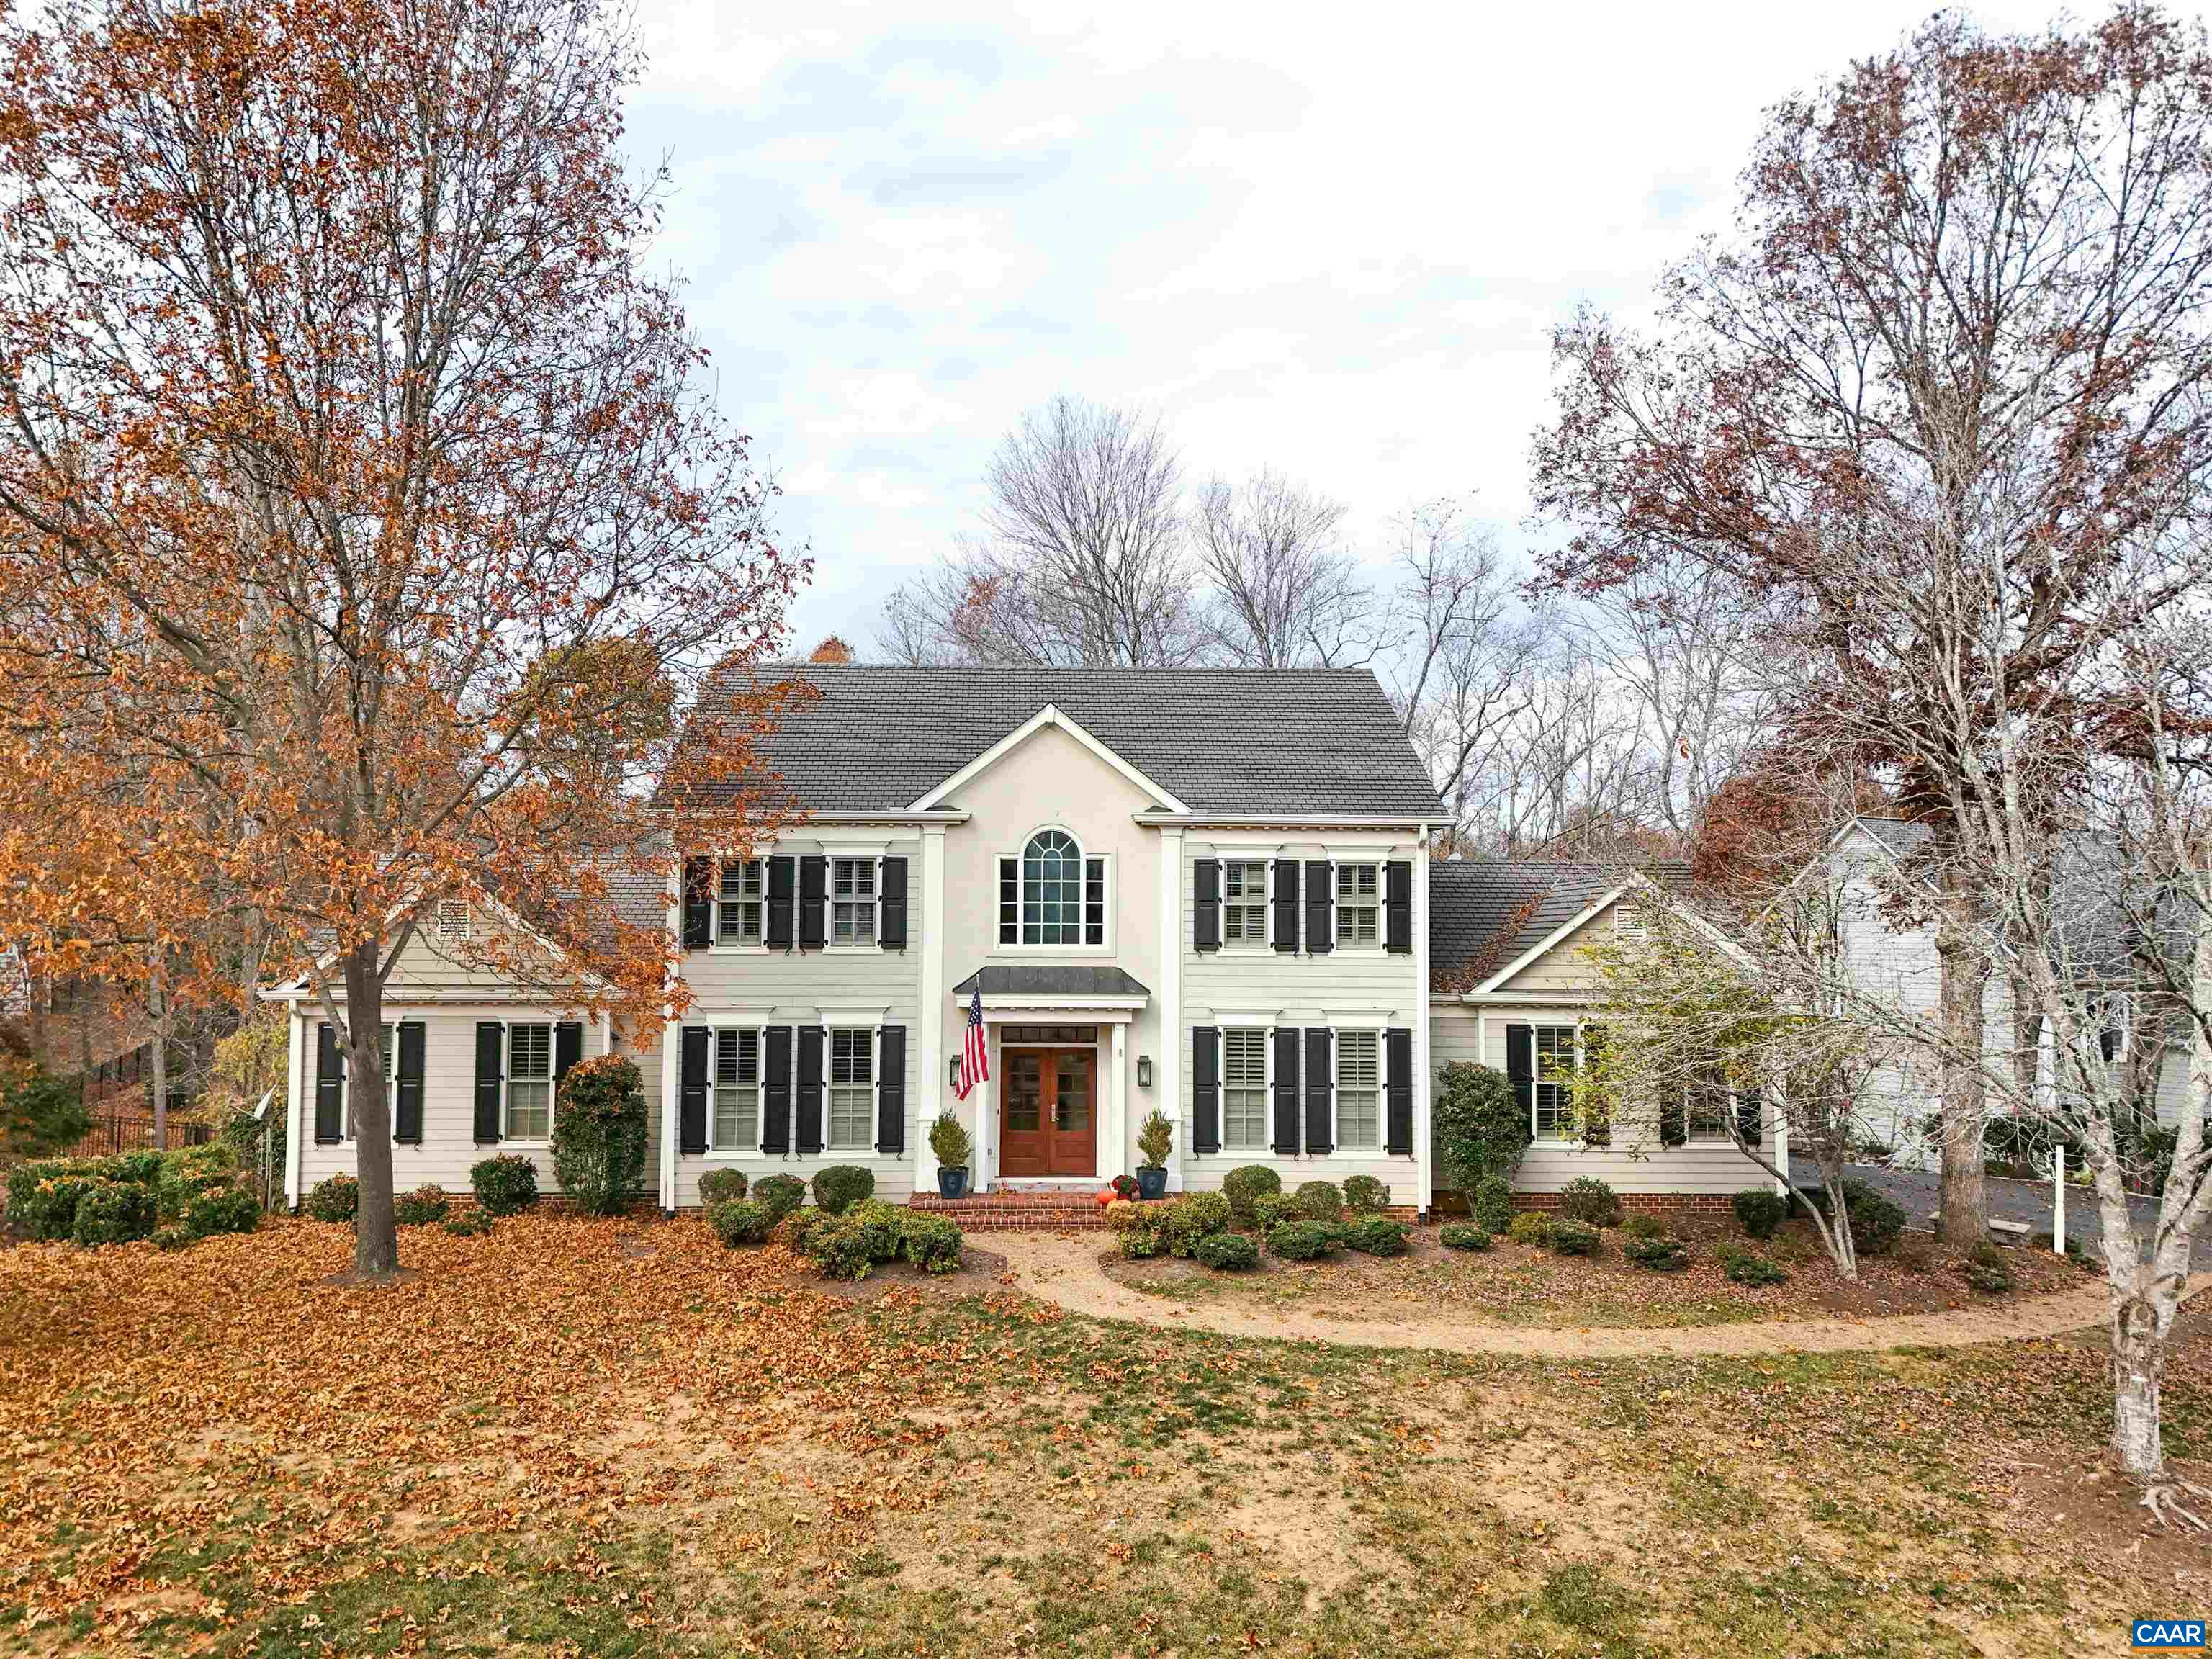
{"points": [[617, 1437]]}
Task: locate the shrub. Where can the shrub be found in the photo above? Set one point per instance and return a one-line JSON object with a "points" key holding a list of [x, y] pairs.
{"points": [[1531, 1227], [1481, 1129], [1363, 1195], [505, 1185], [335, 1198], [425, 1207], [1377, 1234], [723, 1187], [878, 1223], [1573, 1237], [181, 1177], [948, 1142], [932, 1242], [1985, 1269], [1227, 1253], [1142, 1240], [40, 1114], [1244, 1183], [1271, 1210], [1300, 1241], [740, 1221], [1489, 1204], [1645, 1226], [841, 1249], [838, 1186], [793, 1231], [475, 1224], [782, 1193], [1463, 1235], [43, 1196], [1318, 1200], [1876, 1222], [1743, 1267], [1193, 1217], [172, 1238], [1660, 1252], [599, 1133], [114, 1213], [1759, 1212], [1155, 1138], [144, 1169], [225, 1210], [1589, 1200]]}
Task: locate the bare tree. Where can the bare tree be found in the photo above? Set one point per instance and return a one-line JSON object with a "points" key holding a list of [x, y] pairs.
{"points": [[1286, 594]]}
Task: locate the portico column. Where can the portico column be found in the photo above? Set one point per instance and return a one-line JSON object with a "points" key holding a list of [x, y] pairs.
{"points": [[1171, 924], [929, 1056], [1114, 1130]]}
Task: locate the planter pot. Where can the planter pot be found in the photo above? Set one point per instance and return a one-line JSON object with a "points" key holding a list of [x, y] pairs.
{"points": [[1152, 1183], [952, 1183]]}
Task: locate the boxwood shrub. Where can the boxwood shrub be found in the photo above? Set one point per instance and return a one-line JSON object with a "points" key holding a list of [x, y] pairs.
{"points": [[1759, 1212], [1490, 1205], [1269, 1210], [225, 1210], [1227, 1253], [1743, 1267], [43, 1196], [1364, 1194], [1463, 1235], [782, 1193], [1193, 1217], [1645, 1226], [841, 1249], [1141, 1229], [425, 1207], [878, 1223], [739, 1221], [1301, 1240], [1877, 1222], [932, 1242], [1377, 1234], [505, 1185], [722, 1186], [186, 1173], [838, 1186], [114, 1213], [335, 1198], [1244, 1183], [1573, 1237], [1590, 1201], [1660, 1252], [1531, 1227], [1319, 1201]]}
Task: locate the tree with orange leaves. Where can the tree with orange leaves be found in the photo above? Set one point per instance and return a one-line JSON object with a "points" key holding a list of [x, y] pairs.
{"points": [[366, 535]]}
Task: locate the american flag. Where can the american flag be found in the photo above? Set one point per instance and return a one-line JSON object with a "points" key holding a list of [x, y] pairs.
{"points": [[974, 1052]]}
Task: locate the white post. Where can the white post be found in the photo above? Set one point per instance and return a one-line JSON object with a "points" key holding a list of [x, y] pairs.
{"points": [[2058, 1200], [294, 1096], [1170, 926], [929, 1056]]}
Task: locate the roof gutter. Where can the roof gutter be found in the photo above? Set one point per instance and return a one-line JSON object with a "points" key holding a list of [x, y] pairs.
{"points": [[1331, 820]]}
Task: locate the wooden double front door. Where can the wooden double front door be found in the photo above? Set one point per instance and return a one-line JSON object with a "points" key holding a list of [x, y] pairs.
{"points": [[1048, 1115]]}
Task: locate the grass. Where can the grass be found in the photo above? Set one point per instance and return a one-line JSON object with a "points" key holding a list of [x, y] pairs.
{"points": [[547, 1442]]}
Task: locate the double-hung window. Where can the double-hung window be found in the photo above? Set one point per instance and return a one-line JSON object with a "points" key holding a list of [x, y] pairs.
{"points": [[853, 901], [345, 1082], [737, 1090], [1051, 894], [1245, 1087], [1551, 1107], [851, 1089], [1359, 1090], [1707, 1105], [1244, 903], [739, 903], [1359, 903], [529, 1082]]}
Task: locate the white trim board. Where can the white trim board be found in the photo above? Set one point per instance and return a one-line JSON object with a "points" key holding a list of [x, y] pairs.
{"points": [[1048, 715]]}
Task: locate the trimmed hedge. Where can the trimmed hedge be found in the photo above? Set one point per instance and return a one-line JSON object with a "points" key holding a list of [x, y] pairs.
{"points": [[1244, 1183], [114, 1213], [1363, 1195], [337, 1198], [1319, 1201], [932, 1242], [1227, 1253], [723, 1187], [841, 1249], [1759, 1212], [1141, 1229], [505, 1185], [838, 1186], [878, 1223], [740, 1221], [782, 1193], [1191, 1217], [1463, 1235], [1377, 1234], [425, 1207], [1301, 1240], [226, 1210]]}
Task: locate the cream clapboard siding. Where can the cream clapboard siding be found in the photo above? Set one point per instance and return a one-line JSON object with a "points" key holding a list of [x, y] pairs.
{"points": [[2173, 1085], [749, 985], [1361, 987], [448, 1149]]}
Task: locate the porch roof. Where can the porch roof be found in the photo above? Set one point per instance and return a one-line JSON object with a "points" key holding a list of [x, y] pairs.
{"points": [[1059, 981]]}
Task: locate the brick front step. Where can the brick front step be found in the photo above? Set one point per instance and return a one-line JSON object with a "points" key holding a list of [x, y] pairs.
{"points": [[1027, 1213]]}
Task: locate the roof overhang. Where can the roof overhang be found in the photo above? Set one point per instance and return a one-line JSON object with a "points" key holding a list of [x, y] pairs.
{"points": [[1410, 821], [1049, 715]]}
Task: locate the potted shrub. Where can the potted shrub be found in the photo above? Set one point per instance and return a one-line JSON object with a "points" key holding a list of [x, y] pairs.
{"points": [[949, 1145], [1154, 1136]]}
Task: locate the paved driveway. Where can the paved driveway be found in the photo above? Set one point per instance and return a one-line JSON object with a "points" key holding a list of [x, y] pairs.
{"points": [[2017, 1201]]}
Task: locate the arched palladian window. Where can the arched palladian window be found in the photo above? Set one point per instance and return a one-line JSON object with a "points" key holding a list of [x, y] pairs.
{"points": [[1052, 893]]}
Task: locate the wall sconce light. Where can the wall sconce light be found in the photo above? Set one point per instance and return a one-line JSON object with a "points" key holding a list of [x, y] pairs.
{"points": [[955, 1079], [1144, 1070]]}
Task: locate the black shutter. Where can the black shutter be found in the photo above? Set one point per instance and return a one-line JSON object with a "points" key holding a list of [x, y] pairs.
{"points": [[776, 1114], [568, 1049], [1596, 1116], [1206, 1088], [691, 1091], [1398, 908], [782, 878], [810, 1090], [890, 1089], [330, 1078], [1009, 900], [1398, 1094], [813, 901], [407, 1098], [698, 903], [1286, 1093], [890, 912], [1521, 1067], [1320, 917], [1749, 1116], [1320, 1075], [1286, 904], [1205, 904], [491, 1058]]}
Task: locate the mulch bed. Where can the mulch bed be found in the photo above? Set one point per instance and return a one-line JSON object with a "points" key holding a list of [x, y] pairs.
{"points": [[980, 1273]]}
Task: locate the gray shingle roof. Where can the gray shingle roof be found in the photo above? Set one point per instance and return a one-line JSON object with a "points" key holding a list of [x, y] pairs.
{"points": [[1483, 913], [1050, 979], [1222, 740]]}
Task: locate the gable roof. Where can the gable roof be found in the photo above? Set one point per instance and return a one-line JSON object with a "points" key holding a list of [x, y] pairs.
{"points": [[1487, 912], [1259, 741]]}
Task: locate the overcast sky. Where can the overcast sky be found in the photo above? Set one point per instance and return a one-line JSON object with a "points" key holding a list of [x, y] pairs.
{"points": [[1328, 240]]}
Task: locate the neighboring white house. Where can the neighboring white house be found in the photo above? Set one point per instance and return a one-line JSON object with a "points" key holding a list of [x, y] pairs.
{"points": [[1207, 892]]}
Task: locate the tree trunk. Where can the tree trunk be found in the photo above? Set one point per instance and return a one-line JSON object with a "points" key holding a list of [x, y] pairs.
{"points": [[159, 1043], [1963, 1210], [375, 1233], [2138, 1370]]}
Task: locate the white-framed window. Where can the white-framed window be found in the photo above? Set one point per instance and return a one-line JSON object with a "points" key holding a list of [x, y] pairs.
{"points": [[529, 1083], [386, 1034], [1550, 1109], [1358, 904], [851, 1113], [1052, 895], [853, 901], [734, 1123], [1245, 902], [740, 900], [452, 922], [1359, 1090], [1245, 1083], [1707, 1106]]}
